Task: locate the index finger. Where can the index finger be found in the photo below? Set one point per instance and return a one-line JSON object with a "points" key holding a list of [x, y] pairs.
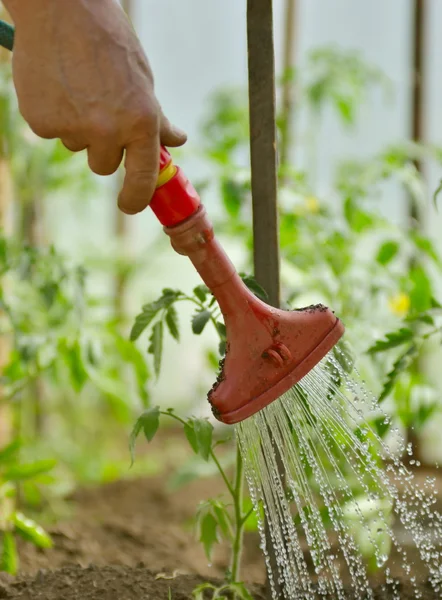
{"points": [[142, 166]]}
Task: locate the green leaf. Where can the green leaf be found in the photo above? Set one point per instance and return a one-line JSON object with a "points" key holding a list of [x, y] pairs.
{"points": [[426, 246], [421, 292], [240, 590], [357, 219], [74, 361], [142, 321], [201, 292], [392, 340], [31, 531], [222, 331], [199, 593], [9, 452], [204, 433], [254, 287], [148, 422], [232, 196], [401, 364], [172, 322], [29, 470], [156, 345], [190, 434], [222, 516], [208, 533], [387, 252], [381, 426], [131, 354], [344, 355], [8, 556], [200, 320]]}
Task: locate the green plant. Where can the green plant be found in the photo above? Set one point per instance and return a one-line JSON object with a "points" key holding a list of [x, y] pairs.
{"points": [[61, 335], [216, 519], [13, 474], [238, 590]]}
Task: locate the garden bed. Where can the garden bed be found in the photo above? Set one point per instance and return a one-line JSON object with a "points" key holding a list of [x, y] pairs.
{"points": [[133, 539]]}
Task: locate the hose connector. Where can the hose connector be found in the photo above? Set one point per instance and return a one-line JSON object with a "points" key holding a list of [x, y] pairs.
{"points": [[175, 199]]}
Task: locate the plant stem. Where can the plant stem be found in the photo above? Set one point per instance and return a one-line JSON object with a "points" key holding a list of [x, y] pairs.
{"points": [[239, 519], [232, 491]]}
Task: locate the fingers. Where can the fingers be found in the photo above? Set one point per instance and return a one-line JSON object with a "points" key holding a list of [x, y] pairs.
{"points": [[142, 165], [170, 135], [104, 159], [73, 145]]}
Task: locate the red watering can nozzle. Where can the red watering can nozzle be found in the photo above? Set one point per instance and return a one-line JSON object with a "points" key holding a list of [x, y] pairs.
{"points": [[268, 350]]}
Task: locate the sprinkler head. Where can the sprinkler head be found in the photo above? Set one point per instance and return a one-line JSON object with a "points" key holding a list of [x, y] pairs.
{"points": [[268, 350]]}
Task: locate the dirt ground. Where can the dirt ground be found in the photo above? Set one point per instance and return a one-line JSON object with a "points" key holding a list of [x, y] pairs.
{"points": [[133, 539]]}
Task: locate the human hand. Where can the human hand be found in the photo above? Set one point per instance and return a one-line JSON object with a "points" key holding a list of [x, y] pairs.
{"points": [[81, 75]]}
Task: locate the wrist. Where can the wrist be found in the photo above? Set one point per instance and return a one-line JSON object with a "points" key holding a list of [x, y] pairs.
{"points": [[20, 9]]}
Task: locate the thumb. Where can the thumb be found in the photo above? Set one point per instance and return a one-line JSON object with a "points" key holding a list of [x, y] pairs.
{"points": [[170, 135]]}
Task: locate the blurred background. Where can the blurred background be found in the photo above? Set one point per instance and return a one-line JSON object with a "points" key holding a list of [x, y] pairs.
{"points": [[360, 132]]}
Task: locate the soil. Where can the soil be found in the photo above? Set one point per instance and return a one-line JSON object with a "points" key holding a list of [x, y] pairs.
{"points": [[134, 539]]}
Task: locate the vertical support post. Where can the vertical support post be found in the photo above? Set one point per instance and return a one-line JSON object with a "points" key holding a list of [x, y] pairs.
{"points": [[287, 100], [261, 63], [263, 154], [416, 215]]}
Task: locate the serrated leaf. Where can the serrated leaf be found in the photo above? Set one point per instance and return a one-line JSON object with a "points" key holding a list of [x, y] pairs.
{"points": [[142, 321], [204, 433], [201, 292], [208, 533], [172, 322], [222, 516], [156, 345], [200, 320], [8, 555], [387, 252], [392, 340], [148, 422], [22, 472], [254, 287], [401, 364], [424, 318], [190, 434], [31, 531]]}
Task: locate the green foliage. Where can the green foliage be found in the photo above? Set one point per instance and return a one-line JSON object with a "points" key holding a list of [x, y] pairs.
{"points": [[238, 590], [148, 423], [12, 521]]}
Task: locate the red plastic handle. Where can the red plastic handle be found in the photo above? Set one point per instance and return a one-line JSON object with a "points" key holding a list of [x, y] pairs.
{"points": [[175, 199]]}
